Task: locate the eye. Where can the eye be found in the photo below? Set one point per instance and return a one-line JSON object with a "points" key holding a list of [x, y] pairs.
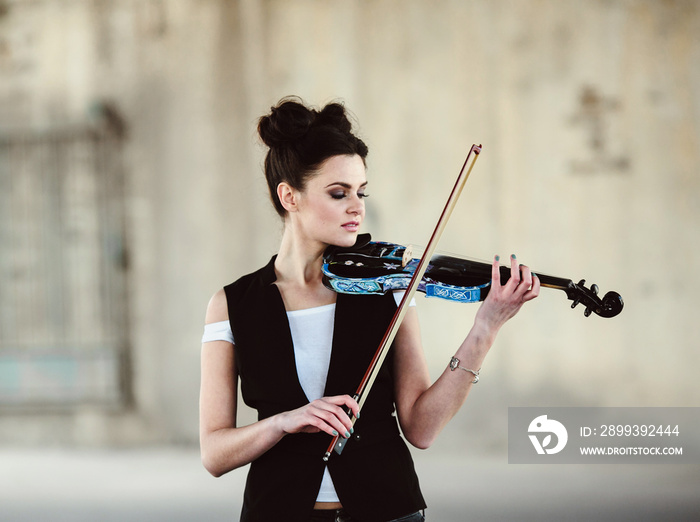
{"points": [[344, 194]]}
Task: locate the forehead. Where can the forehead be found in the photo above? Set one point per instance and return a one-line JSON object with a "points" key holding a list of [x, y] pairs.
{"points": [[336, 169]]}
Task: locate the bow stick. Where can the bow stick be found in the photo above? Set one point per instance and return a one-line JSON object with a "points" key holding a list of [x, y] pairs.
{"points": [[338, 444]]}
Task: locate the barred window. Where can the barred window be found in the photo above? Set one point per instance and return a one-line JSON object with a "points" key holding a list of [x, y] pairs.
{"points": [[63, 322]]}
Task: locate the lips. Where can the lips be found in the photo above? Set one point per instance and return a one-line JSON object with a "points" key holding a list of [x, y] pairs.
{"points": [[352, 226]]}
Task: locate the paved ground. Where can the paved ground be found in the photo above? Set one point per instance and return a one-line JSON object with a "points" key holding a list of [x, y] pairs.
{"points": [[169, 484]]}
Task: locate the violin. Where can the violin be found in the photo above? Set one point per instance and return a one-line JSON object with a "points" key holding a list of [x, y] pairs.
{"points": [[372, 267], [376, 267]]}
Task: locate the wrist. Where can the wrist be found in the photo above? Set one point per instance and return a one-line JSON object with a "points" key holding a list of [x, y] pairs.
{"points": [[486, 326], [484, 332], [477, 344], [279, 424]]}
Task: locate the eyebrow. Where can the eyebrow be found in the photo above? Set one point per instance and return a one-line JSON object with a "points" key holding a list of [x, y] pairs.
{"points": [[344, 185]]}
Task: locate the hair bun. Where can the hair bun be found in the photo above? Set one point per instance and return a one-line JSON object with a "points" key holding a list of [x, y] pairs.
{"points": [[289, 121], [334, 115]]}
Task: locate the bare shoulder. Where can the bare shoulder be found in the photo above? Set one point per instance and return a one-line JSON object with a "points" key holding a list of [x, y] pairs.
{"points": [[217, 309]]}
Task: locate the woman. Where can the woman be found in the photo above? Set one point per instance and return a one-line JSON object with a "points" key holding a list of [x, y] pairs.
{"points": [[300, 350]]}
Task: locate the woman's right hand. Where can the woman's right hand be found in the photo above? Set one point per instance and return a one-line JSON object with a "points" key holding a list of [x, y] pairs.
{"points": [[326, 414]]}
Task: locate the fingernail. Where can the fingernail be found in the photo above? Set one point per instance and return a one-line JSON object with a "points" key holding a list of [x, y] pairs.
{"points": [[512, 256], [347, 435], [534, 275], [498, 258], [352, 430], [358, 414], [335, 433]]}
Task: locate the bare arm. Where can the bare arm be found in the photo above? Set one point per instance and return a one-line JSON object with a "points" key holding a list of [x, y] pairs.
{"points": [[223, 445], [425, 409]]}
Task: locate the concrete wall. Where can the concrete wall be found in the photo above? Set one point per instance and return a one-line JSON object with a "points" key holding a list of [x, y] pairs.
{"points": [[588, 112]]}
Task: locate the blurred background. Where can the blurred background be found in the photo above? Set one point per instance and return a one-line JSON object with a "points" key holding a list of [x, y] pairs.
{"points": [[131, 190]]}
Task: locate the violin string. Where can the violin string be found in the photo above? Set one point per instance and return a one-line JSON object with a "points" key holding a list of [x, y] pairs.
{"points": [[419, 249]]}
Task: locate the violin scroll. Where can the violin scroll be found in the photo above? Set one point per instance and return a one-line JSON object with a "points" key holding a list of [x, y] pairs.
{"points": [[609, 306]]}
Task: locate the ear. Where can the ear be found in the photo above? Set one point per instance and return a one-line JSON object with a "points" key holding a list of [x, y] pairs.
{"points": [[288, 196]]}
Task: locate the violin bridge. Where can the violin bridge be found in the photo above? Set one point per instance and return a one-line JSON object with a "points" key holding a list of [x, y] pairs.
{"points": [[407, 255]]}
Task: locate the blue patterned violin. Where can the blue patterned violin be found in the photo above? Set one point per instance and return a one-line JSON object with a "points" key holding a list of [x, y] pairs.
{"points": [[375, 267]]}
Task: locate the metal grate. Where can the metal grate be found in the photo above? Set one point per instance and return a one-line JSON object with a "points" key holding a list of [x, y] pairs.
{"points": [[63, 328]]}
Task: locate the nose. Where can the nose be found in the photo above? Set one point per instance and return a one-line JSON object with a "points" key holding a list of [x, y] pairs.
{"points": [[357, 206]]}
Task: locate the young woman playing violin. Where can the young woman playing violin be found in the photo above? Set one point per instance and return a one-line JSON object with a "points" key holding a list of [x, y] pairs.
{"points": [[299, 349]]}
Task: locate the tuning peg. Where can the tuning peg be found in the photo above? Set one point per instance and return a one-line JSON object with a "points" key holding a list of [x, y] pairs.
{"points": [[594, 289], [587, 312], [576, 301]]}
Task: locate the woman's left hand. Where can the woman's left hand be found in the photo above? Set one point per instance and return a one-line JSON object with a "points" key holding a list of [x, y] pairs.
{"points": [[504, 301]]}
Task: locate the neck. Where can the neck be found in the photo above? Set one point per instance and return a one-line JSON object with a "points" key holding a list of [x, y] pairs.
{"points": [[299, 260]]}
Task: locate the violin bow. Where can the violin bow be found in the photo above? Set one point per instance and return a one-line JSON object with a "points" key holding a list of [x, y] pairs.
{"points": [[338, 444]]}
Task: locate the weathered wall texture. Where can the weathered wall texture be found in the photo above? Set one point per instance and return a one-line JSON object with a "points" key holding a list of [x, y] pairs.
{"points": [[589, 114]]}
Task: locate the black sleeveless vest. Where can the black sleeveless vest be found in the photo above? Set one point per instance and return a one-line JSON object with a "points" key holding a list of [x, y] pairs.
{"points": [[374, 476]]}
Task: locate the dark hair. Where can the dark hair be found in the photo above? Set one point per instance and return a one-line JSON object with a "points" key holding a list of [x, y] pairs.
{"points": [[301, 138]]}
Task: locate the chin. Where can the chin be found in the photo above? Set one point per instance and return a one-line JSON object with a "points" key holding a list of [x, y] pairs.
{"points": [[346, 240]]}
